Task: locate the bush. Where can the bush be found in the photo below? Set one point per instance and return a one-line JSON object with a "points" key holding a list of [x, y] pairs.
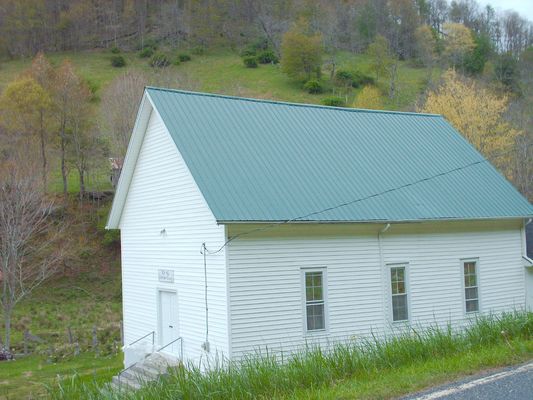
{"points": [[118, 61], [313, 86], [146, 52], [361, 79], [115, 50], [333, 101], [344, 77], [267, 57], [183, 57], [250, 62], [149, 42], [248, 52], [159, 60], [353, 78], [259, 44]]}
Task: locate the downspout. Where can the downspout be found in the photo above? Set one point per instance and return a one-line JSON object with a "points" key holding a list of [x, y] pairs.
{"points": [[380, 246], [205, 345], [382, 265], [524, 242]]}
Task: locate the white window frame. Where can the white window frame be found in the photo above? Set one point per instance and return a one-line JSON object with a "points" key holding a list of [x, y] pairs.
{"points": [[462, 263], [389, 268], [323, 270]]}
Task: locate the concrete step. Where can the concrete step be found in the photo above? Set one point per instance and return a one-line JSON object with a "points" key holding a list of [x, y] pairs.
{"points": [[124, 383], [148, 370]]}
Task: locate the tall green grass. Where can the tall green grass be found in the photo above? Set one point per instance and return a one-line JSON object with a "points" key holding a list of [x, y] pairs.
{"points": [[267, 375]]}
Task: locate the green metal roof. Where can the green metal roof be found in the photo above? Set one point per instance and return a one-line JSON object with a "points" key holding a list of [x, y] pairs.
{"points": [[257, 160]]}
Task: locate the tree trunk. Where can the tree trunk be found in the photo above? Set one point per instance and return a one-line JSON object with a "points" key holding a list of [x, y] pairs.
{"points": [[82, 183], [43, 150], [64, 165], [393, 76], [7, 326]]}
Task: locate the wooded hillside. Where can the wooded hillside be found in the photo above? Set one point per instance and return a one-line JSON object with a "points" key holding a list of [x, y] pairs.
{"points": [[489, 53], [28, 26]]}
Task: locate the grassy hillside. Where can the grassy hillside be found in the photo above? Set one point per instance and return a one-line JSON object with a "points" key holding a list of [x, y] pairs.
{"points": [[224, 72]]}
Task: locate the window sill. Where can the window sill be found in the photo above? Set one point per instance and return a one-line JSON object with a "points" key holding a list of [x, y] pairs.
{"points": [[316, 332], [406, 323]]}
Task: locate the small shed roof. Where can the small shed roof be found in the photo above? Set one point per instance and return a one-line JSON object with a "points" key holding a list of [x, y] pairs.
{"points": [[257, 160]]}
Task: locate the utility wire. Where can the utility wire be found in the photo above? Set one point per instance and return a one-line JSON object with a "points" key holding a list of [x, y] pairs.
{"points": [[304, 217]]}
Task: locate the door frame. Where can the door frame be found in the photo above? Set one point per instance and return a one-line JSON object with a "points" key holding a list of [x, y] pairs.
{"points": [[160, 315], [529, 288]]}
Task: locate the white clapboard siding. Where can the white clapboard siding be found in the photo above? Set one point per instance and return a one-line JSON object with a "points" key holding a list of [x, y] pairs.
{"points": [[266, 302], [164, 196]]}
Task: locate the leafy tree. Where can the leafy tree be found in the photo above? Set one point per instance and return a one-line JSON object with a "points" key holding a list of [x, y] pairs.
{"points": [[476, 112], [506, 71], [426, 45], [71, 97], [474, 62], [366, 23], [458, 43], [25, 106], [370, 98], [301, 52], [379, 53]]}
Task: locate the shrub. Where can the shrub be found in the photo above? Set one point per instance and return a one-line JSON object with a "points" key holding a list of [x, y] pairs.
{"points": [[361, 79], [333, 101], [146, 52], [149, 42], [313, 86], [118, 61], [248, 52], [353, 78], [250, 62], [115, 50], [177, 61], [267, 57], [344, 77], [259, 44], [159, 60], [183, 57]]}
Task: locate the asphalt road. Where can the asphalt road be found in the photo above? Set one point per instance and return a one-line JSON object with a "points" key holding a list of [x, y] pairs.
{"points": [[514, 383]]}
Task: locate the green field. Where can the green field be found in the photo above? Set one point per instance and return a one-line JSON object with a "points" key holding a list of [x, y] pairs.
{"points": [[30, 377], [223, 72]]}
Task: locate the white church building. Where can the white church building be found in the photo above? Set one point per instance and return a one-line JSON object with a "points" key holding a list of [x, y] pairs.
{"points": [[250, 224]]}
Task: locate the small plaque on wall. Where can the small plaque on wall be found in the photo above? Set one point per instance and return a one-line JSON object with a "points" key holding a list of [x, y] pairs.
{"points": [[166, 275]]}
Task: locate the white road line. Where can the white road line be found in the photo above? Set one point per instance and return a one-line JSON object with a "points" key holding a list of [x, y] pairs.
{"points": [[474, 383]]}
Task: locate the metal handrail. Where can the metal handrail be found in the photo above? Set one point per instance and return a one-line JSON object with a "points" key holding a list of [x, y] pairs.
{"points": [[119, 375], [145, 336], [174, 341]]}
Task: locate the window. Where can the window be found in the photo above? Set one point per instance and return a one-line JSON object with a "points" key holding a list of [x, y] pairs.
{"points": [[315, 314], [398, 279], [471, 286]]}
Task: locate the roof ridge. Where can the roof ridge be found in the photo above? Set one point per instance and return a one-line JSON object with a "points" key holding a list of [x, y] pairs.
{"points": [[288, 103]]}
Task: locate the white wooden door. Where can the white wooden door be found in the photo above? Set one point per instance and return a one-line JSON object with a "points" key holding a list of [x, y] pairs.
{"points": [[168, 328]]}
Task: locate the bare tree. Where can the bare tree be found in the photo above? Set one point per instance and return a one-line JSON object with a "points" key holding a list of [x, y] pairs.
{"points": [[121, 101], [119, 107], [31, 246]]}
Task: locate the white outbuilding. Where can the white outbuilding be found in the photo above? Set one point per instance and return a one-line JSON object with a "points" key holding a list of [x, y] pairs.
{"points": [[251, 224]]}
